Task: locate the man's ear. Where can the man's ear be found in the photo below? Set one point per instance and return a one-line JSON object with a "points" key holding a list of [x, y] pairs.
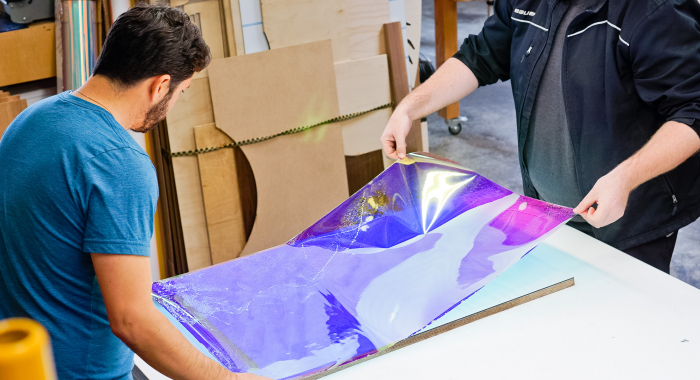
{"points": [[160, 86]]}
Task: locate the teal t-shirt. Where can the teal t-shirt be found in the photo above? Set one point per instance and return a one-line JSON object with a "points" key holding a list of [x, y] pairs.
{"points": [[72, 182]]}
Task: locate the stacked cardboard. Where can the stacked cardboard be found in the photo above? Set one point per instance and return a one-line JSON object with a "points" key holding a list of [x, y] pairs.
{"points": [[326, 58], [10, 107]]}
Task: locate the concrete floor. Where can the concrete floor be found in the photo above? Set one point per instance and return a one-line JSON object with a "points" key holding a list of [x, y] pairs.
{"points": [[488, 142]]}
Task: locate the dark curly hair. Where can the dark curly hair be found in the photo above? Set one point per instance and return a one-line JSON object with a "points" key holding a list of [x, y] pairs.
{"points": [[151, 40]]}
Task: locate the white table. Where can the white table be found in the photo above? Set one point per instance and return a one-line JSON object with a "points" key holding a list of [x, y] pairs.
{"points": [[622, 319]]}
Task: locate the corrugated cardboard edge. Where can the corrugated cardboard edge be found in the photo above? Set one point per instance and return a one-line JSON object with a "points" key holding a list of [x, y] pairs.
{"points": [[451, 326]]}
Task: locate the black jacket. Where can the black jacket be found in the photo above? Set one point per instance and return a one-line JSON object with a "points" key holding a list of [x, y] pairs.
{"points": [[628, 66]]}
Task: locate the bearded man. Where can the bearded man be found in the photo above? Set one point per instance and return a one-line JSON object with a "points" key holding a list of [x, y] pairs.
{"points": [[78, 196]]}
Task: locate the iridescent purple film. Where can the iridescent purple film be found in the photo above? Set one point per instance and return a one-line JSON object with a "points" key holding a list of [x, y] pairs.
{"points": [[419, 239]]}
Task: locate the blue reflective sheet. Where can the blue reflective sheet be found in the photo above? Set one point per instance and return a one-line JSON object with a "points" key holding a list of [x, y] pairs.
{"points": [[405, 249]]}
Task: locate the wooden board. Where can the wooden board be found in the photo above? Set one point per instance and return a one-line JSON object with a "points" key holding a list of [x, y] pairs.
{"points": [[193, 108], [8, 99], [399, 80], [446, 44], [299, 177], [222, 203], [294, 22], [28, 54], [234, 27], [362, 85], [362, 169], [207, 16], [361, 135], [9, 111], [365, 20]]}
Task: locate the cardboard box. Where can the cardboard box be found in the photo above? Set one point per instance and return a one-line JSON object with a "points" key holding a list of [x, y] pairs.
{"points": [[28, 54]]}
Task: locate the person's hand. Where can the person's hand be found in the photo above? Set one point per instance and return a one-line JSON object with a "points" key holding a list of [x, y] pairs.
{"points": [[394, 137], [610, 193]]}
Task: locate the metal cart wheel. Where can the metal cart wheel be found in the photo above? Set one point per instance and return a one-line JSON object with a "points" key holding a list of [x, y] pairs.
{"points": [[455, 125]]}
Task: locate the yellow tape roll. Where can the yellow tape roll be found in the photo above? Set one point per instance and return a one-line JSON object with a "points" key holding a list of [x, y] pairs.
{"points": [[25, 351]]}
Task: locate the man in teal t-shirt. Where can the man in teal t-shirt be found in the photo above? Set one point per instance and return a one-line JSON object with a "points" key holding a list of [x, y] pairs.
{"points": [[77, 199]]}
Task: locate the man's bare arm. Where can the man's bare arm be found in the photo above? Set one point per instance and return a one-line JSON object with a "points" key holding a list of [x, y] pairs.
{"points": [[453, 81], [125, 281], [670, 146]]}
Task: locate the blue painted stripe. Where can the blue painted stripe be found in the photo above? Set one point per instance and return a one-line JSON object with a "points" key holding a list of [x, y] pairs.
{"points": [[253, 24]]}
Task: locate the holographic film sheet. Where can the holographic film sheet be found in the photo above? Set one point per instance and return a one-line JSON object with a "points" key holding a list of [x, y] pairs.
{"points": [[408, 247]]}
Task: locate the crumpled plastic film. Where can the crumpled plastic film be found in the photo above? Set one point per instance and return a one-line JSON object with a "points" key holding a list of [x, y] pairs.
{"points": [[412, 244]]}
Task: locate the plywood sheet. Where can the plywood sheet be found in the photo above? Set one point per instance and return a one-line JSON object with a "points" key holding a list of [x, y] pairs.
{"points": [[294, 22], [365, 20], [299, 177], [222, 203], [207, 16], [362, 84], [193, 108], [269, 92], [361, 135]]}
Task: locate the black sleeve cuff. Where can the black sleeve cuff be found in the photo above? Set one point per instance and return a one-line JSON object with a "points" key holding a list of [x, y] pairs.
{"points": [[462, 58]]}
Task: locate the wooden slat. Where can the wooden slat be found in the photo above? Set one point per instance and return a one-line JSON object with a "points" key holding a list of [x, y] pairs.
{"points": [[8, 99], [295, 22], [192, 108], [399, 79], [362, 169], [175, 257], [446, 44], [222, 202]]}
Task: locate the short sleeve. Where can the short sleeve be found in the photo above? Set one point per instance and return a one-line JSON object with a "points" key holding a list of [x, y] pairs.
{"points": [[118, 195]]}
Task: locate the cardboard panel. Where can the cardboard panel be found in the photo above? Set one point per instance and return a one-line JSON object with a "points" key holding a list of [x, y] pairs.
{"points": [[193, 107], [365, 20], [294, 22], [299, 177], [270, 92], [222, 203], [8, 99], [9, 111]]}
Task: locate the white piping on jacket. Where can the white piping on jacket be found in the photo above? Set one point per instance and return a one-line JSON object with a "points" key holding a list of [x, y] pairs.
{"points": [[529, 22], [601, 23]]}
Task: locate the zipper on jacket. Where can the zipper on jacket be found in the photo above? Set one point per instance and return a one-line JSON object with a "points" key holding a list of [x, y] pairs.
{"points": [[673, 195]]}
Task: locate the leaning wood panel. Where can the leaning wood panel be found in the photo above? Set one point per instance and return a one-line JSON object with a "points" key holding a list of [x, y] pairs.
{"points": [[295, 22], [399, 80], [193, 107], [446, 44], [365, 20], [222, 202]]}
